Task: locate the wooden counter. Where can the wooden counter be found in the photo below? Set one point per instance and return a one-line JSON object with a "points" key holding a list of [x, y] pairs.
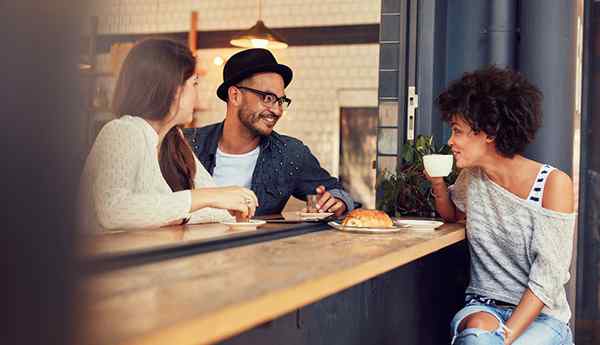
{"points": [[209, 297], [121, 243]]}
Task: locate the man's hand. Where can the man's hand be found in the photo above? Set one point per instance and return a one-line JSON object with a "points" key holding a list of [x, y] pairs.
{"points": [[327, 203]]}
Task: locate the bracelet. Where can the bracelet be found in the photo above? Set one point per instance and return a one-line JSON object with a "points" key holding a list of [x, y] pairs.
{"points": [[507, 331], [435, 195]]}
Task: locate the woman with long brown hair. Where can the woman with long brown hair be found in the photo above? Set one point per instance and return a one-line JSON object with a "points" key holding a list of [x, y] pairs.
{"points": [[140, 171]]}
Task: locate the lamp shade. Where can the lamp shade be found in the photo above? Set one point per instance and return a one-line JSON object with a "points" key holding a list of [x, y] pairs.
{"points": [[259, 36]]}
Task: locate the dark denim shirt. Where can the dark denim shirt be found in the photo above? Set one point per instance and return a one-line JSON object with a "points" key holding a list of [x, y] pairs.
{"points": [[285, 167]]}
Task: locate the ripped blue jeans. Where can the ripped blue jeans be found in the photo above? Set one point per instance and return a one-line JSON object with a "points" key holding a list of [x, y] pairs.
{"points": [[545, 329]]}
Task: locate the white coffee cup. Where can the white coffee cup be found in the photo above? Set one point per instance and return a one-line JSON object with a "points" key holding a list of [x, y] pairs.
{"points": [[438, 165]]}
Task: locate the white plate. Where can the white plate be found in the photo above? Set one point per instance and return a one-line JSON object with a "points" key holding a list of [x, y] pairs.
{"points": [[250, 225], [419, 224], [357, 229], [314, 215]]}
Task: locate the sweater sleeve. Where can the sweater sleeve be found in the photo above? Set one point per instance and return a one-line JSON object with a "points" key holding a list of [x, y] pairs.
{"points": [[551, 250], [116, 160], [458, 191], [207, 214], [311, 174]]}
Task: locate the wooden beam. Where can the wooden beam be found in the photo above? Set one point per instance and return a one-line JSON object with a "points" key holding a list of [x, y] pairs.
{"points": [[193, 34], [295, 36]]}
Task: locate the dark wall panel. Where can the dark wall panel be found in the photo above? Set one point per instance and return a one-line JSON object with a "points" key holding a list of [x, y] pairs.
{"points": [[547, 59], [587, 313], [410, 305]]}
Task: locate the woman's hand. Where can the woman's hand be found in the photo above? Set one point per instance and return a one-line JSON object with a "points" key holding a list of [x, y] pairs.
{"points": [[438, 185], [443, 205], [239, 199], [435, 181]]}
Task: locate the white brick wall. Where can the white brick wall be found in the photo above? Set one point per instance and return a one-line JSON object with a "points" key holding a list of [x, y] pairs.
{"points": [[320, 72], [140, 16]]}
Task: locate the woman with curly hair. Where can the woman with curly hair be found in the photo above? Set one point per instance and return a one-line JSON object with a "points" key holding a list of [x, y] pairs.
{"points": [[519, 214]]}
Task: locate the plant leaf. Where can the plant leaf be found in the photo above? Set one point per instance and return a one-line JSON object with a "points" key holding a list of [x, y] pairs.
{"points": [[444, 150], [408, 154], [407, 191]]}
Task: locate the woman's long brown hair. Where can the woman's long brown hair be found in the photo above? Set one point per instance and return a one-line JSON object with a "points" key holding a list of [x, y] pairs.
{"points": [[147, 87]]}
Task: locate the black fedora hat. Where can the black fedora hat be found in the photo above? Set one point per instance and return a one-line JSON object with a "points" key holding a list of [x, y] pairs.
{"points": [[248, 62]]}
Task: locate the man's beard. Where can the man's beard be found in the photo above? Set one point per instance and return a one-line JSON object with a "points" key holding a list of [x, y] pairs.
{"points": [[251, 121]]}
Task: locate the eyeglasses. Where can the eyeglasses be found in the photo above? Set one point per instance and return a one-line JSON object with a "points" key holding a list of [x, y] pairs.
{"points": [[268, 98]]}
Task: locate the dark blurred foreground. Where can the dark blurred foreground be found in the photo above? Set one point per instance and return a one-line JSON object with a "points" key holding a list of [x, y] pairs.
{"points": [[39, 169]]}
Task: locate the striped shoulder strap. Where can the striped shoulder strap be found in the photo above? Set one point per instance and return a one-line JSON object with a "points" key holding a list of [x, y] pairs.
{"points": [[536, 193]]}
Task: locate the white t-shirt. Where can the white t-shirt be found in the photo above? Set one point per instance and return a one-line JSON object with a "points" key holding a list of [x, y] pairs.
{"points": [[234, 169]]}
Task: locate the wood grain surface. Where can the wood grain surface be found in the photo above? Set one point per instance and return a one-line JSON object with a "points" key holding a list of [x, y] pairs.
{"points": [[205, 298], [119, 242]]}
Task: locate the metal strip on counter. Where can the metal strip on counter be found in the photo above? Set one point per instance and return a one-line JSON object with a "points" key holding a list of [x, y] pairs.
{"points": [[107, 262]]}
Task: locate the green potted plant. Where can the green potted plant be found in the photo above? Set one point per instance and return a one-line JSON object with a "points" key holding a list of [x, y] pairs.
{"points": [[407, 192]]}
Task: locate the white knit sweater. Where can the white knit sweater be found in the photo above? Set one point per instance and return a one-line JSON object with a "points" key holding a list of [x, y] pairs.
{"points": [[122, 185]]}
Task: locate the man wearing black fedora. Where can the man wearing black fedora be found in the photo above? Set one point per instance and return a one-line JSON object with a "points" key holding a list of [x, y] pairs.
{"points": [[244, 150]]}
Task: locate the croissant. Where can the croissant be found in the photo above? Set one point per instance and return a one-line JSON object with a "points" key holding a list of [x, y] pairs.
{"points": [[368, 219]]}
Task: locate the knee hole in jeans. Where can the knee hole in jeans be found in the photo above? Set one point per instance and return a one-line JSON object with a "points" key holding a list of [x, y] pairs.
{"points": [[481, 320], [476, 336]]}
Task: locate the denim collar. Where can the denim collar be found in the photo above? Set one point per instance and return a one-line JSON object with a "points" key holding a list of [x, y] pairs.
{"points": [[212, 142]]}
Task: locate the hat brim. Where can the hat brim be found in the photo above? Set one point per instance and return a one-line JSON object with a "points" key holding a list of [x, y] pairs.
{"points": [[284, 71]]}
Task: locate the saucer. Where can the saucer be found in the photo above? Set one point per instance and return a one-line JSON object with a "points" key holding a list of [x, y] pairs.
{"points": [[418, 224], [252, 224], [314, 215], [305, 216]]}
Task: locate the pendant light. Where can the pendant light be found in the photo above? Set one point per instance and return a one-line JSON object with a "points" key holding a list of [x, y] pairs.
{"points": [[259, 36]]}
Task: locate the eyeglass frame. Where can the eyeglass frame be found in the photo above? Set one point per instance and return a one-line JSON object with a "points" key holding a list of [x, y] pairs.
{"points": [[278, 100]]}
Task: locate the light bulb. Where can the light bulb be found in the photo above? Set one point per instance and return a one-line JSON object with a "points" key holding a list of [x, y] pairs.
{"points": [[259, 43], [218, 60]]}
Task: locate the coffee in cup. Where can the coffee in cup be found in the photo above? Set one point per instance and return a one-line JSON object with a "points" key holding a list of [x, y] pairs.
{"points": [[241, 217]]}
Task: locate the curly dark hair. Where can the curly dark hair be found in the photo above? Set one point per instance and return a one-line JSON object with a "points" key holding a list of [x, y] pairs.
{"points": [[499, 102]]}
